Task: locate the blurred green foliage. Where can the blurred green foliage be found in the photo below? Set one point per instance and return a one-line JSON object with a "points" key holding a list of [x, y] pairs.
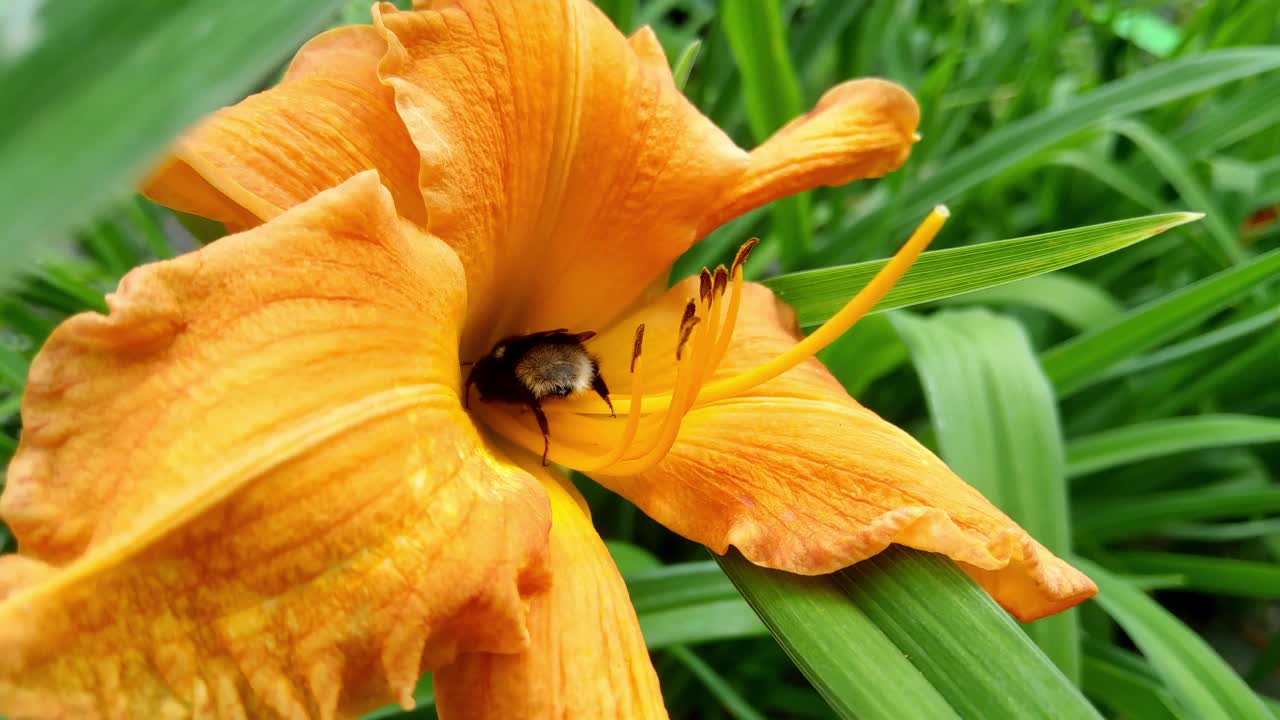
{"points": [[1122, 409]]}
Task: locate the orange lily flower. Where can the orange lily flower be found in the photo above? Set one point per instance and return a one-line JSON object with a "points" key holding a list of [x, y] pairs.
{"points": [[252, 489]]}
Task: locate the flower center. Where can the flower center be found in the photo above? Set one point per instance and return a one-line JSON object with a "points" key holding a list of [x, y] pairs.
{"points": [[581, 425]]}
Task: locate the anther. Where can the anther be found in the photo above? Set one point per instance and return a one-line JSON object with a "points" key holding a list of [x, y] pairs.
{"points": [[720, 280], [636, 346], [686, 329], [743, 253], [704, 284]]}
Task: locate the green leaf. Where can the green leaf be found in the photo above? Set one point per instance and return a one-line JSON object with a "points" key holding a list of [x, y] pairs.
{"points": [[972, 651], [1126, 683], [700, 623], [842, 652], [689, 603], [759, 43], [1198, 344], [106, 85], [1203, 683], [1071, 364], [997, 426], [684, 64], [1006, 146], [1133, 443], [913, 622], [816, 295], [1078, 303], [724, 692], [1177, 170], [1100, 520], [1216, 575]]}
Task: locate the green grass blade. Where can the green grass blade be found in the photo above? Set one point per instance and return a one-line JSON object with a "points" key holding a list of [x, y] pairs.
{"points": [[700, 623], [1001, 149], [684, 64], [1198, 344], [816, 295], [1078, 303], [837, 646], [1111, 175], [105, 85], [1260, 355], [1126, 684], [1214, 575], [1176, 169], [728, 697], [772, 89], [1123, 445], [972, 651], [997, 426], [679, 585], [1098, 521], [1203, 683], [1070, 365]]}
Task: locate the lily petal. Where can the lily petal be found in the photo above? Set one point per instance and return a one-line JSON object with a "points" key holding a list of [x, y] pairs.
{"points": [[858, 129], [250, 490], [328, 120], [800, 477], [558, 158], [587, 659]]}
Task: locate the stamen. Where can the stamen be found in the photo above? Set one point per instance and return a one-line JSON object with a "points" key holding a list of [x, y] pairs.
{"points": [[853, 311], [636, 346], [743, 253], [709, 343], [687, 329]]}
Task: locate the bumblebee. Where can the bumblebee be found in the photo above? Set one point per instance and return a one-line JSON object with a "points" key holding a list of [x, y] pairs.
{"points": [[524, 369]]}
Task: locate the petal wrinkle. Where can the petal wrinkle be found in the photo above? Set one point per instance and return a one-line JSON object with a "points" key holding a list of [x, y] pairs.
{"points": [[558, 158], [328, 120], [250, 490]]}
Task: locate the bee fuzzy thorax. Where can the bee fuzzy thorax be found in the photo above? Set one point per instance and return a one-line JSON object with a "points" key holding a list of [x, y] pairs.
{"points": [[526, 369], [556, 370]]}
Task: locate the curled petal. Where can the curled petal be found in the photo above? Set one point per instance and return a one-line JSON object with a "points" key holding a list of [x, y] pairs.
{"points": [[858, 129], [558, 158], [800, 477], [250, 490], [329, 120], [586, 660]]}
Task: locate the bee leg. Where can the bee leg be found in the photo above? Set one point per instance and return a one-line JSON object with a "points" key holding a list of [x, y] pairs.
{"points": [[542, 424], [602, 390]]}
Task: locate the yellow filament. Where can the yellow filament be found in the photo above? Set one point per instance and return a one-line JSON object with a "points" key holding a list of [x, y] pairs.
{"points": [[731, 319], [703, 354], [629, 432], [851, 313]]}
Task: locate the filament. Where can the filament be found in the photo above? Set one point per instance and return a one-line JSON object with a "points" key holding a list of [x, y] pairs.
{"points": [[701, 345]]}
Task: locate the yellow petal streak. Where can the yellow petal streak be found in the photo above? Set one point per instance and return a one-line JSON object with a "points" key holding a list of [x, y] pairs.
{"points": [[250, 490]]}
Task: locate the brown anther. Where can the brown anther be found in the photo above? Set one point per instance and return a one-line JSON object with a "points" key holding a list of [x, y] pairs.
{"points": [[637, 345], [685, 332], [743, 253], [690, 309], [704, 284], [721, 280]]}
